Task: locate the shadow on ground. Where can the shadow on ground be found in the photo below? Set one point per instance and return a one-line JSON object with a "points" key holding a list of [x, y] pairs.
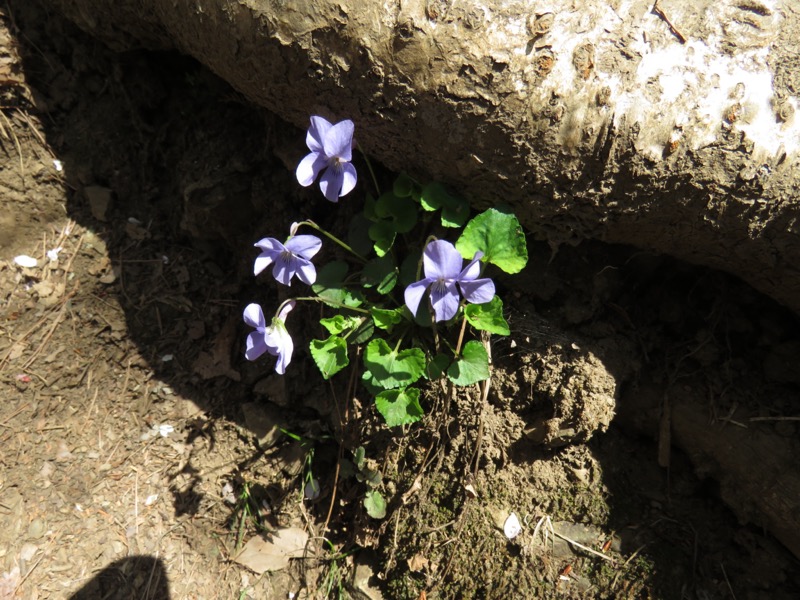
{"points": [[134, 577]]}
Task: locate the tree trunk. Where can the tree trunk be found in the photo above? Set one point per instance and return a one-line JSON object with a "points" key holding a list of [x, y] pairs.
{"points": [[671, 129], [755, 466]]}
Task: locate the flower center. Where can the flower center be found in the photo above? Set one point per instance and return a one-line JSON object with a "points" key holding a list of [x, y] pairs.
{"points": [[440, 285], [286, 256]]}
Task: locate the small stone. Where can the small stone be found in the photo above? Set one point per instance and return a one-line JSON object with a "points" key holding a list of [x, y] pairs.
{"points": [[36, 529], [99, 199], [273, 387], [263, 419]]}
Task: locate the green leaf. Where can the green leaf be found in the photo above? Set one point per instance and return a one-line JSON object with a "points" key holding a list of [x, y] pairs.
{"points": [[383, 234], [339, 323], [331, 288], [455, 210], [437, 366], [408, 268], [392, 369], [363, 333], [358, 235], [499, 236], [369, 476], [400, 212], [370, 384], [359, 457], [472, 366], [488, 316], [399, 407], [330, 355], [375, 504], [385, 318], [433, 197], [380, 273], [403, 186], [455, 216], [369, 208]]}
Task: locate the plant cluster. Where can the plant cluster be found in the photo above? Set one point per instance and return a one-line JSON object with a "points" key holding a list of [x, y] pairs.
{"points": [[401, 293]]}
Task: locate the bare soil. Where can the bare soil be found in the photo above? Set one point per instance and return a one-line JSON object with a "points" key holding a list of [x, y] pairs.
{"points": [[141, 451]]}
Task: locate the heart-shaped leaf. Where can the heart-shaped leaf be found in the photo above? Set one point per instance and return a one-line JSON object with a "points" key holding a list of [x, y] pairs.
{"points": [[488, 316], [390, 368], [375, 504], [339, 323], [330, 355], [380, 273], [499, 236], [455, 210], [437, 365], [385, 318], [400, 212], [383, 234], [330, 285], [472, 366], [403, 186], [399, 407]]}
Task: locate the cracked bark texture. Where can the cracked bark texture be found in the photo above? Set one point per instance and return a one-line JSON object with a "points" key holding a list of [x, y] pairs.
{"points": [[592, 119]]}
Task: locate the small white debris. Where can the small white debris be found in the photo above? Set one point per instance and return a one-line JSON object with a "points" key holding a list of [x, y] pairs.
{"points": [[23, 260], [227, 493], [164, 430], [165, 259], [151, 499], [79, 508], [53, 254], [167, 357], [134, 221], [58, 165], [512, 526]]}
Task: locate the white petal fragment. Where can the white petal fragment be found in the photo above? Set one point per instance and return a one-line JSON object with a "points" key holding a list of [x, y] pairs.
{"points": [[512, 526], [23, 260]]}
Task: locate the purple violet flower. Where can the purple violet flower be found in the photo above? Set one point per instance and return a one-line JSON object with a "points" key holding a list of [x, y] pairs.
{"points": [[331, 149], [292, 258], [273, 339], [444, 276]]}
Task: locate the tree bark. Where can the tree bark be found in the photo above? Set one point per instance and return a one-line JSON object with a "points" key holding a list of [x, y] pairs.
{"points": [[671, 129]]}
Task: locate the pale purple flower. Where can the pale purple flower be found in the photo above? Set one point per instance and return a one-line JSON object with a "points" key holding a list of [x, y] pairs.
{"points": [[331, 149], [273, 339], [445, 277], [290, 259]]}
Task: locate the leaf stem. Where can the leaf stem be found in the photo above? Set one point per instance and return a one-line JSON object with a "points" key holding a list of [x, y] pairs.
{"points": [[461, 336], [371, 170], [329, 302], [333, 238]]}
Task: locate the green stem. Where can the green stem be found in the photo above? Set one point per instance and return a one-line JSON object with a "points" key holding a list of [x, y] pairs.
{"points": [[371, 171], [333, 238], [328, 302]]}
